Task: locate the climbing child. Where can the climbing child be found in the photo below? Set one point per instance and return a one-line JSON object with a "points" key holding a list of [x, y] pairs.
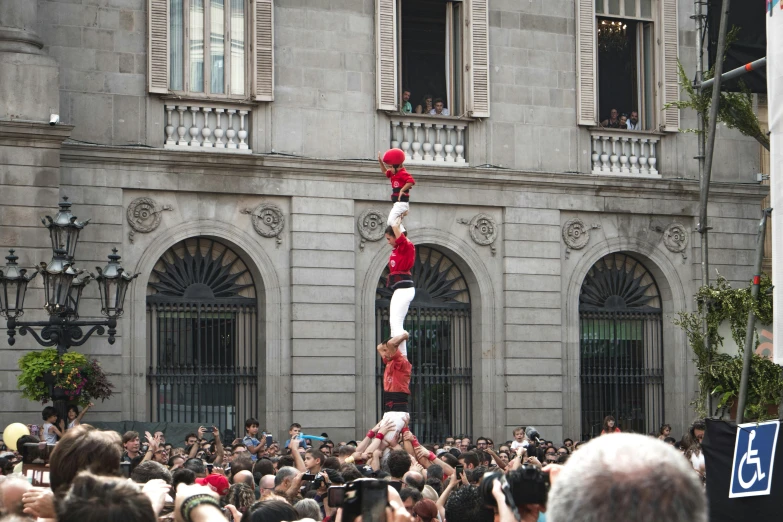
{"points": [[401, 181]]}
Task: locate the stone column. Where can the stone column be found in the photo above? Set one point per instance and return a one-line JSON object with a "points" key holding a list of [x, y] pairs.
{"points": [[29, 171]]}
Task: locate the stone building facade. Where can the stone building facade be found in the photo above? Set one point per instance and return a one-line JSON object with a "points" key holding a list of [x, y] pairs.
{"points": [[521, 193]]}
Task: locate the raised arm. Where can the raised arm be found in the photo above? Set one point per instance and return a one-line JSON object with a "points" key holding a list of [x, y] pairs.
{"points": [[390, 348], [382, 164], [220, 452], [78, 420], [298, 462]]}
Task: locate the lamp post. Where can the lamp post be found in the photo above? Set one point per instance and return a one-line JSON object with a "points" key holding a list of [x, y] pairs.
{"points": [[63, 287]]}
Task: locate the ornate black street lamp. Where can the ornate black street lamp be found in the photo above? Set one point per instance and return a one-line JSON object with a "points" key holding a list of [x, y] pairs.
{"points": [[63, 286]]}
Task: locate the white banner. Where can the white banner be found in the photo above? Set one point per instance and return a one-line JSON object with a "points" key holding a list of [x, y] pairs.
{"points": [[775, 104]]}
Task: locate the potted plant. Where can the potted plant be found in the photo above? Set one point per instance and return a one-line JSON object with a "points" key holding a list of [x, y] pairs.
{"points": [[72, 377], [719, 374]]}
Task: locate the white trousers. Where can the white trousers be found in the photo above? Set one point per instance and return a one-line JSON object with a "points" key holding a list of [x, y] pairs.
{"points": [[398, 309], [399, 208], [400, 419]]}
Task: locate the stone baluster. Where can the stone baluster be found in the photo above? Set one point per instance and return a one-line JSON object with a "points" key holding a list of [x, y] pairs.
{"points": [[605, 154], [634, 159], [426, 145], [643, 170], [596, 156], [395, 142], [242, 134], [406, 144], [439, 158], [614, 157], [230, 132], [206, 131], [448, 146], [416, 145], [623, 158], [653, 159], [181, 128], [219, 129], [193, 128], [459, 148], [169, 126]]}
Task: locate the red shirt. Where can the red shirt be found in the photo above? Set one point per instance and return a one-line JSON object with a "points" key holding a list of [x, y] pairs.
{"points": [[399, 180], [397, 375], [402, 257]]}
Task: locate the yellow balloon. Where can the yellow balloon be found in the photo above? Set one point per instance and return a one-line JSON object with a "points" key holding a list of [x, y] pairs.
{"points": [[12, 432]]}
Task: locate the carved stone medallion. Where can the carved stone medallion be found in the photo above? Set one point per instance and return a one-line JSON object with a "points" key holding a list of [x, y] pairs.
{"points": [[576, 234], [144, 216], [371, 224], [483, 230], [268, 220], [675, 237]]}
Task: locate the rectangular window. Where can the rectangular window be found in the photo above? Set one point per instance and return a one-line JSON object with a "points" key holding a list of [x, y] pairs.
{"points": [[207, 54], [626, 63], [431, 55]]}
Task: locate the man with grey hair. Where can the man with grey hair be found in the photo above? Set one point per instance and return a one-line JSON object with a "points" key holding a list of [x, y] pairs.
{"points": [[638, 477]]}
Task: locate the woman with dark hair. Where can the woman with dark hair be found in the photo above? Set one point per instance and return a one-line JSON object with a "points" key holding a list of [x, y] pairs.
{"points": [[240, 496], [610, 426], [273, 511], [693, 452], [664, 432], [425, 105], [74, 416], [84, 448]]}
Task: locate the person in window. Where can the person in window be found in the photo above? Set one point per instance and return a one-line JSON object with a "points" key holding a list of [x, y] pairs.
{"points": [[425, 106], [406, 107], [633, 121], [610, 426], [623, 121], [613, 122], [439, 109]]}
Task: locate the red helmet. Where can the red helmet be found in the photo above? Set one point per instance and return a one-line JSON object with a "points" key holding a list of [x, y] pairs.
{"points": [[394, 157]]}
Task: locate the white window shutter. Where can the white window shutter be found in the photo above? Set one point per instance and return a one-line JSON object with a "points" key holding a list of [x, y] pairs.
{"points": [[671, 86], [158, 45], [386, 54], [478, 66], [586, 95], [263, 51]]}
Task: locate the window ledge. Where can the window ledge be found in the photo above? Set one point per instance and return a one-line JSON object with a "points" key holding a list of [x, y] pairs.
{"points": [[183, 99], [430, 140], [429, 117], [609, 130]]}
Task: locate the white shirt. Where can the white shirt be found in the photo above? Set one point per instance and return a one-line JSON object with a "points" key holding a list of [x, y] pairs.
{"points": [[631, 126], [445, 112], [49, 436]]}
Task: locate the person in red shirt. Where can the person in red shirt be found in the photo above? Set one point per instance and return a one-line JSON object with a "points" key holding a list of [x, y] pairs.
{"points": [[396, 384], [400, 279], [610, 426], [401, 183]]}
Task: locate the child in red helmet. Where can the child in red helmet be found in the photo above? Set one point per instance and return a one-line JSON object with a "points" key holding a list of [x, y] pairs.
{"points": [[401, 183]]}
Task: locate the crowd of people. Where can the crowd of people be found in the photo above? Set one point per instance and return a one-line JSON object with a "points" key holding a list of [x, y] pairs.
{"points": [[622, 121], [102, 475]]}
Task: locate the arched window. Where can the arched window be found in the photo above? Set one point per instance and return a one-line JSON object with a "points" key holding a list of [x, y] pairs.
{"points": [[621, 349], [438, 322], [201, 336]]}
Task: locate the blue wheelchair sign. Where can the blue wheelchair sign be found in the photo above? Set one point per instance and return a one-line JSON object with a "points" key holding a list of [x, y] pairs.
{"points": [[754, 455]]}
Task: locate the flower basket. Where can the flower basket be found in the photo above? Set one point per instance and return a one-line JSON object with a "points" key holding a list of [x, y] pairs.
{"points": [[48, 377]]}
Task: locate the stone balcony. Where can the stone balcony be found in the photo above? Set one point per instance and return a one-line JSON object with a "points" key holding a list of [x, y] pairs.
{"points": [[207, 128], [625, 152], [430, 140]]}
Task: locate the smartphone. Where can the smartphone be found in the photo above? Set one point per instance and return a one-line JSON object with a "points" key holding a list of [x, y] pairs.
{"points": [[459, 469], [269, 440], [309, 477], [210, 467], [125, 469]]}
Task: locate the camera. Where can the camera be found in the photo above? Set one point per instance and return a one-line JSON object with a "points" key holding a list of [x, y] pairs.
{"points": [[362, 497], [527, 485], [54, 119]]}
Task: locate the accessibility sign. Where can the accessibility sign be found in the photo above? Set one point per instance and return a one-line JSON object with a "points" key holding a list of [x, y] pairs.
{"points": [[754, 456]]}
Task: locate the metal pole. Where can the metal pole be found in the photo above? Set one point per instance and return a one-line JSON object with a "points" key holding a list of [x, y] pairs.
{"points": [[739, 71], [704, 228], [750, 333], [702, 139]]}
